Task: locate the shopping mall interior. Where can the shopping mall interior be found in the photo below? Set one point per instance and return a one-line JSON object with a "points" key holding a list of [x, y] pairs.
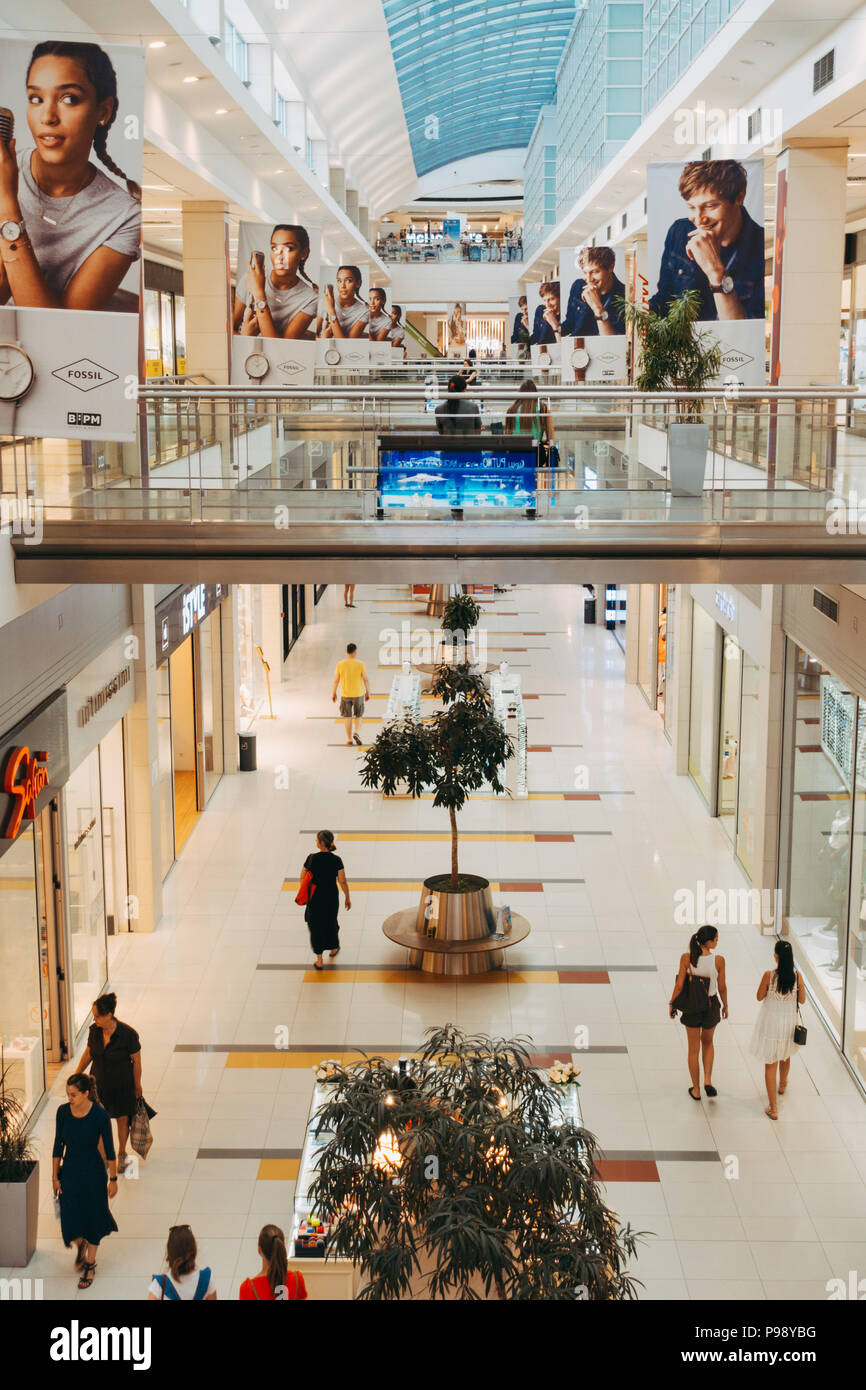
{"points": [[616, 248]]}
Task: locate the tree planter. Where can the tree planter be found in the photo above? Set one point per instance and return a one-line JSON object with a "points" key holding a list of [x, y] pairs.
{"points": [[444, 915], [687, 456], [19, 1219], [437, 600]]}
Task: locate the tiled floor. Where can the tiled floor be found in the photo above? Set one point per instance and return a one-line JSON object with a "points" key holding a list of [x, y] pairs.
{"points": [[738, 1207]]}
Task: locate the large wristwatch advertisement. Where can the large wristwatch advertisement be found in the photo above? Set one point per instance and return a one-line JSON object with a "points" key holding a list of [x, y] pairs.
{"points": [[70, 237]]}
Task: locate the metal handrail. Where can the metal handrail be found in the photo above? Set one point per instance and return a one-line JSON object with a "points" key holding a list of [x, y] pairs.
{"points": [[577, 393]]}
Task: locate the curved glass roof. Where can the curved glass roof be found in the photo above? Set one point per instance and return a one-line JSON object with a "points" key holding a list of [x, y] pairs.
{"points": [[474, 74]]}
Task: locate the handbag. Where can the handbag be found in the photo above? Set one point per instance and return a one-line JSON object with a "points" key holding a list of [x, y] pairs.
{"points": [[694, 997], [140, 1136], [800, 1029], [306, 889]]}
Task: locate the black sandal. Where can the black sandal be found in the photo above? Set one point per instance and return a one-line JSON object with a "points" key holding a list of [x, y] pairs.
{"points": [[694, 1097], [87, 1273], [711, 1090]]}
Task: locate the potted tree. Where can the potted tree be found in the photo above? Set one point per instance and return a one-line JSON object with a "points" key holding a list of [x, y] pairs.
{"points": [[675, 356], [19, 1181], [462, 748], [459, 617], [463, 1177]]}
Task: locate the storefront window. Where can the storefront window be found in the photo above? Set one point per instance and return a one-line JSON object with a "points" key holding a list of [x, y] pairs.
{"points": [[729, 737], [647, 637], [114, 830], [855, 994], [820, 752], [179, 335], [702, 734], [20, 973], [750, 775], [667, 637], [152, 346], [166, 768], [87, 931], [210, 648]]}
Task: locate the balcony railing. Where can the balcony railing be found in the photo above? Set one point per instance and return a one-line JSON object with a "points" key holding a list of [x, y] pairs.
{"points": [[226, 453]]}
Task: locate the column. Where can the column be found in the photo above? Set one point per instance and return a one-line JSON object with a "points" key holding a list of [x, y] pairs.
{"points": [[808, 255], [352, 205], [231, 680], [632, 633], [683, 678], [337, 184], [207, 289], [364, 221], [144, 830], [770, 703]]}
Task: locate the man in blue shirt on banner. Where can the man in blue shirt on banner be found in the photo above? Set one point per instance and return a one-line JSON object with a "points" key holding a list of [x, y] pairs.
{"points": [[718, 249], [594, 306], [545, 326]]}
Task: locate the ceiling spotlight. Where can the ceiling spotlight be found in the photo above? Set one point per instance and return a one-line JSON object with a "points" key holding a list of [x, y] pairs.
{"points": [[157, 43], [765, 43], [190, 79], [221, 111]]}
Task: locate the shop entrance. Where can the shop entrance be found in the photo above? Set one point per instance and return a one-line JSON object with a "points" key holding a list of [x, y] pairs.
{"points": [[183, 745], [56, 1031]]}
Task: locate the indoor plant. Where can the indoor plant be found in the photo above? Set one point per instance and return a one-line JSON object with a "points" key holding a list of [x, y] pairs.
{"points": [[19, 1180], [460, 616], [675, 356], [457, 1177], [458, 750]]}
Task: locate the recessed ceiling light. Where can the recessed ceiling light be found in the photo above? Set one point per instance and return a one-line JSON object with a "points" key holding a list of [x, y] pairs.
{"points": [[221, 111], [157, 43], [765, 43], [190, 79]]}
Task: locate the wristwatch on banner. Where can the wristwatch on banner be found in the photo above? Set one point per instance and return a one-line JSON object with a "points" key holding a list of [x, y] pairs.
{"points": [[17, 372], [13, 235], [332, 356], [725, 287], [257, 365], [602, 317], [579, 360], [543, 356]]}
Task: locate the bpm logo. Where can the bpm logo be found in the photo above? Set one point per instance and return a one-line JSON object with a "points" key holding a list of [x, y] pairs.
{"points": [[291, 368], [85, 375], [86, 418], [733, 357]]}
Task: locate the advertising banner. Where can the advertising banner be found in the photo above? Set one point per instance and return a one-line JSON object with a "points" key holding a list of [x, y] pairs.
{"points": [[275, 304], [70, 239], [384, 322], [446, 477], [450, 248], [705, 232], [344, 303], [593, 324], [457, 328], [519, 329]]}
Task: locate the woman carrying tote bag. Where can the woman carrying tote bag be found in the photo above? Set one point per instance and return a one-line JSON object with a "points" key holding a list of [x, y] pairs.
{"points": [[701, 997], [781, 992]]}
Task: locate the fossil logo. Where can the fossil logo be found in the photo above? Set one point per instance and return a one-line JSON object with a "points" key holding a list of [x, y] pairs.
{"points": [[733, 357], [290, 367], [85, 375]]}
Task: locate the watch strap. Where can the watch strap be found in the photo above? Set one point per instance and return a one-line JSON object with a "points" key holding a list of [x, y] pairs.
{"points": [[8, 411]]}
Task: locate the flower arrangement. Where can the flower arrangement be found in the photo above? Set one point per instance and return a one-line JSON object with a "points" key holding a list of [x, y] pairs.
{"points": [[562, 1073], [327, 1070]]}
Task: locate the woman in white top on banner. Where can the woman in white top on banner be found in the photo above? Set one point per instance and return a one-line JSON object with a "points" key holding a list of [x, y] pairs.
{"points": [[380, 323], [700, 1026], [780, 992], [346, 314], [75, 232], [281, 303]]}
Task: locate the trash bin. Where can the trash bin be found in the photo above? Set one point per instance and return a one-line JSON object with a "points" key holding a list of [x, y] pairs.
{"points": [[247, 752], [589, 610]]}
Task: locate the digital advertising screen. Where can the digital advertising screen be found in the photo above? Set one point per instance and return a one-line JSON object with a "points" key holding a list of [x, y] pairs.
{"points": [[417, 478]]}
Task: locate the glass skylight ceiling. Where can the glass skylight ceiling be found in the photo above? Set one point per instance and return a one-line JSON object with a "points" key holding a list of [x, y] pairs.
{"points": [[474, 74]]}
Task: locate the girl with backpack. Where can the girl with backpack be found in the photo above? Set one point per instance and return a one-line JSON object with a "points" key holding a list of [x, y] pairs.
{"points": [[183, 1283]]}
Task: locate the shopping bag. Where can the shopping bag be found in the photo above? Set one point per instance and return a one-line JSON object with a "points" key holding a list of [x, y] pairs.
{"points": [[140, 1136], [306, 890]]}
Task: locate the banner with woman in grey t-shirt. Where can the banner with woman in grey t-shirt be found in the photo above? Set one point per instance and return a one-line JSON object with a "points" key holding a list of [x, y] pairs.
{"points": [[70, 233], [275, 302]]}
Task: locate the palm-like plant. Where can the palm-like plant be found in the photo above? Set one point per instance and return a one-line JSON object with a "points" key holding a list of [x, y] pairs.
{"points": [[461, 1178], [674, 355], [459, 750], [17, 1155], [461, 613]]}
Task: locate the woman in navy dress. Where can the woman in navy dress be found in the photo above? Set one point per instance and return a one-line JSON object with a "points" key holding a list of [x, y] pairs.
{"points": [[82, 1145], [329, 878]]}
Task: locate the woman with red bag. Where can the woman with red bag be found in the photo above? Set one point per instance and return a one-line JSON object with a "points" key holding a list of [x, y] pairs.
{"points": [[325, 877]]}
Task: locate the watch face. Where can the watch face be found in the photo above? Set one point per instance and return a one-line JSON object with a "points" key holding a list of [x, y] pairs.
{"points": [[580, 358], [10, 231], [727, 284], [257, 365], [16, 372], [332, 356]]}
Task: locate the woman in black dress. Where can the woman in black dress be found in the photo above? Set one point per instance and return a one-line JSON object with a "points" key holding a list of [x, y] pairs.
{"points": [[320, 913], [83, 1144], [113, 1053]]}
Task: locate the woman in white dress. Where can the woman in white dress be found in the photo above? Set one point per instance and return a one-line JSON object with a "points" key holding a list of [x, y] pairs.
{"points": [[780, 992]]}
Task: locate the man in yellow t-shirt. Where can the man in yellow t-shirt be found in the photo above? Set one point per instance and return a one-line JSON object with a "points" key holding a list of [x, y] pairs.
{"points": [[351, 677]]}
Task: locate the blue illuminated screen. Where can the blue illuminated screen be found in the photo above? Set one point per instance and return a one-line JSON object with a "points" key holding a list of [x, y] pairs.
{"points": [[457, 478]]}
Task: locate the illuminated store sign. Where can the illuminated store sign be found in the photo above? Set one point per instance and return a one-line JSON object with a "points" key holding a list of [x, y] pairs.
{"points": [[94, 703], [182, 612], [34, 764], [726, 605]]}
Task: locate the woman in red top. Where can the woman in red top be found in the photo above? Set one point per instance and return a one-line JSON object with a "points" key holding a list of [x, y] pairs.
{"points": [[276, 1281]]}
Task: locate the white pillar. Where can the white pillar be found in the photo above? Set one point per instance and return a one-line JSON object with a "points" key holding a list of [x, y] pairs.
{"points": [[207, 289], [144, 832]]}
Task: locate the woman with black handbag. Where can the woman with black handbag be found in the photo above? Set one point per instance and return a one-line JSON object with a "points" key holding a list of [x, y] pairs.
{"points": [[701, 998], [777, 1032]]}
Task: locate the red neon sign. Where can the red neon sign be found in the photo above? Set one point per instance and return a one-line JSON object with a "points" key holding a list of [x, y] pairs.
{"points": [[23, 779]]}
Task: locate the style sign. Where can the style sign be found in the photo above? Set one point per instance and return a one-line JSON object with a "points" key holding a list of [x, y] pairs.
{"points": [[24, 778]]}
